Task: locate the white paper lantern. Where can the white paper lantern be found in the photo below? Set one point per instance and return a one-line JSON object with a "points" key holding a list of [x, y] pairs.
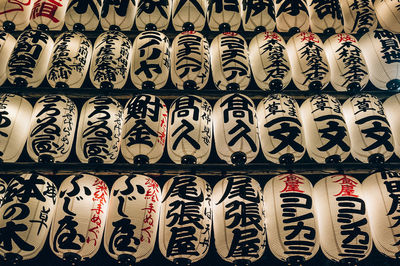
{"points": [[190, 61], [388, 14], [392, 111], [269, 61], [80, 217], [358, 16], [132, 220], [223, 15], [27, 66], [15, 114], [15, 15], [99, 133], [83, 15], [291, 16], [257, 15], [344, 232], [230, 62], [325, 16], [3, 187], [153, 15], [185, 219], [281, 134], [145, 129], [7, 43], [118, 15], [25, 217], [370, 134], [189, 15], [48, 14]]}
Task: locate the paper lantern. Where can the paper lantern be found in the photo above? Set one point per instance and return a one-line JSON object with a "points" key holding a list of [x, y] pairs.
{"points": [[111, 60], [223, 15], [153, 15], [83, 15], [281, 134], [185, 219], [48, 14], [310, 69], [7, 43], [325, 129], [190, 127], [382, 50], [235, 129], [26, 215], [388, 14], [132, 220], [344, 233], [291, 16], [15, 114], [150, 60], [145, 129], [27, 66], [239, 219], [325, 16], [3, 187], [370, 134], [257, 15], [347, 64], [230, 62], [69, 61], [15, 15], [291, 224], [118, 15], [189, 15], [99, 130], [52, 130], [392, 111], [269, 61], [358, 16], [190, 61], [79, 219]]}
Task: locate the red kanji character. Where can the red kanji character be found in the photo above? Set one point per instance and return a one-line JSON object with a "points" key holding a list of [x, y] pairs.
{"points": [[292, 183], [344, 37], [46, 9], [308, 36], [348, 186], [271, 35], [19, 3]]}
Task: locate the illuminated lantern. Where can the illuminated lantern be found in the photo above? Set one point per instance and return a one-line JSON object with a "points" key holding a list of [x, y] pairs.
{"points": [[310, 69], [190, 61], [189, 15], [358, 16], [144, 130], [288, 204], [15, 15], [69, 61], [111, 60], [235, 129], [381, 51], [135, 206], [281, 134], [388, 14], [150, 60], [25, 217], [27, 66], [269, 61], [223, 15], [344, 233], [118, 15], [230, 62], [235, 199], [185, 196], [370, 134], [325, 16], [190, 130], [291, 16], [52, 129], [257, 15], [80, 217], [48, 14], [347, 64], [99, 130], [325, 129], [3, 187], [16, 115], [153, 15], [7, 43], [392, 111], [83, 15]]}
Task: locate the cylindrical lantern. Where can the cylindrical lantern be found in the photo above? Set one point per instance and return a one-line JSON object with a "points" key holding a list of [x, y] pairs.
{"points": [[189, 15], [7, 43], [132, 219], [257, 15], [291, 16], [325, 16], [83, 15], [153, 15], [48, 14], [15, 15], [358, 16], [223, 15], [118, 15], [388, 14], [392, 111], [3, 187]]}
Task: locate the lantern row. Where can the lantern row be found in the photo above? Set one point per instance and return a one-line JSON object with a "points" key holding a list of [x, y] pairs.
{"points": [[329, 132], [339, 214]]}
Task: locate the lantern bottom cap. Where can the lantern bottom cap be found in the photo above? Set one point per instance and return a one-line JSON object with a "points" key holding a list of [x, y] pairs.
{"points": [[182, 261], [286, 159], [141, 159], [115, 28], [242, 262], [294, 30], [12, 258], [188, 26], [72, 258], [394, 84], [150, 26], [276, 85], [238, 158], [333, 159], [20, 82], [295, 260], [189, 85], [46, 158], [79, 27], [148, 85], [259, 29], [188, 159], [43, 27], [95, 160], [62, 85], [349, 261], [376, 158], [8, 26], [126, 259], [224, 27]]}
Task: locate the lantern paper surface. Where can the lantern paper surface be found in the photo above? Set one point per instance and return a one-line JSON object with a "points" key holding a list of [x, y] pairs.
{"points": [[325, 16], [132, 219], [189, 15], [291, 16], [98, 138], [153, 15], [392, 112], [79, 219], [3, 187], [48, 14], [118, 14], [83, 15], [388, 14], [223, 15], [344, 232], [15, 15], [257, 15], [358, 16], [185, 219], [7, 43], [281, 133]]}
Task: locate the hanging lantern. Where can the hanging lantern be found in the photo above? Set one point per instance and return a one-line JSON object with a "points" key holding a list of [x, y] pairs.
{"points": [[7, 43], [70, 60], [79, 219], [230, 62], [269, 61], [258, 15], [189, 15], [3, 187], [144, 130], [325, 129], [185, 219], [280, 130], [190, 61], [25, 217], [291, 16], [15, 15], [370, 134], [27, 66], [83, 15], [153, 15], [99, 131], [48, 14], [325, 16], [388, 14], [223, 15], [150, 60], [381, 49], [344, 233], [392, 111], [132, 220], [358, 16], [118, 15], [52, 129], [310, 69], [15, 113], [189, 130]]}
